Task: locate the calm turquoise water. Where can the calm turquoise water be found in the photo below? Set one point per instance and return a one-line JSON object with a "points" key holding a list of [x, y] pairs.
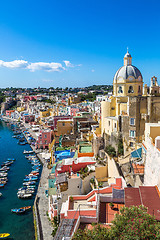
{"points": [[19, 226]]}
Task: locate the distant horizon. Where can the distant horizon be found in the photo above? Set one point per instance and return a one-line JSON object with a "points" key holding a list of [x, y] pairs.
{"points": [[57, 87], [74, 44]]}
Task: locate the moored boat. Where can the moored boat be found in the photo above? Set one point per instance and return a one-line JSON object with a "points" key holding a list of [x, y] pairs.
{"points": [[18, 210], [2, 185], [10, 159], [4, 235], [28, 195], [27, 152], [26, 208]]}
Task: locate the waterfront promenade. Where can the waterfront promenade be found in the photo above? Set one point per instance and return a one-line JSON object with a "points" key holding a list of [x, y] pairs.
{"points": [[43, 202], [46, 226]]}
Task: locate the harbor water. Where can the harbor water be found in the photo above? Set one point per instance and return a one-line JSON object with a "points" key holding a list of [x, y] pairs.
{"points": [[19, 226]]}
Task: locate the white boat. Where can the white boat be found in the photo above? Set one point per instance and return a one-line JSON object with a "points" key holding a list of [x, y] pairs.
{"points": [[24, 195], [27, 152], [0, 194], [3, 174]]}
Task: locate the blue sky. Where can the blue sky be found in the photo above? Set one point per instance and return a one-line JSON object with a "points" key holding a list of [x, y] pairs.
{"points": [[76, 43]]}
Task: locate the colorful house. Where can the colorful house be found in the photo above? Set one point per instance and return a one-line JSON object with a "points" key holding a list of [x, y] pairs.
{"points": [[44, 139], [75, 165], [91, 208], [64, 126]]}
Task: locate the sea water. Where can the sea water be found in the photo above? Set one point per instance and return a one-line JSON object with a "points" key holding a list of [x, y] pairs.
{"points": [[19, 226]]}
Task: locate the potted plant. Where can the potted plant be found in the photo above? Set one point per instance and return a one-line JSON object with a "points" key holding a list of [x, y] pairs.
{"points": [[71, 199], [111, 205]]}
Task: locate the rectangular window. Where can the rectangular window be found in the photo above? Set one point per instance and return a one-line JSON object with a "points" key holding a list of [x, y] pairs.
{"points": [[63, 124], [115, 125], [132, 133], [109, 123], [45, 136], [132, 120], [131, 144]]}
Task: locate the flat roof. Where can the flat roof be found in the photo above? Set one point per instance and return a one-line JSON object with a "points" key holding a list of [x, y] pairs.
{"points": [[148, 196], [85, 149]]}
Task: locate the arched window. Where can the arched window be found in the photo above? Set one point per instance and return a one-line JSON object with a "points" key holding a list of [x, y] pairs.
{"points": [[120, 89], [139, 89], [130, 90]]}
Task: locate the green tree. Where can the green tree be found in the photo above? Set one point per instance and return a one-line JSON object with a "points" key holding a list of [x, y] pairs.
{"points": [[136, 224], [98, 233], [133, 223]]}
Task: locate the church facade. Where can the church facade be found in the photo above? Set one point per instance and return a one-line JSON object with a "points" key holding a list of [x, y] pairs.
{"points": [[131, 106]]}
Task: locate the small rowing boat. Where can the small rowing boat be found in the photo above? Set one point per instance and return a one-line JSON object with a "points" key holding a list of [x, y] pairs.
{"points": [[4, 235], [18, 210]]}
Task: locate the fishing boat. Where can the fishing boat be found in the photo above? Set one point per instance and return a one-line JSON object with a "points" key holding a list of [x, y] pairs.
{"points": [[26, 208], [10, 159], [22, 143], [7, 163], [4, 235], [21, 210], [3, 171], [2, 185], [3, 179], [33, 174], [3, 182], [27, 152], [18, 210], [3, 174], [4, 168], [24, 195], [28, 183], [28, 179]]}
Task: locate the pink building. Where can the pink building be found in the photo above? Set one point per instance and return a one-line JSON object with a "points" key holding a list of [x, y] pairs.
{"points": [[44, 139], [30, 98]]}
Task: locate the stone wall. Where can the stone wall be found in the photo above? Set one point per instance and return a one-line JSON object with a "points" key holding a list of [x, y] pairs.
{"points": [[152, 165]]}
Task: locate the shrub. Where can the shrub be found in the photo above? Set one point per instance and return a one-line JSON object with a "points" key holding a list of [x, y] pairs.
{"points": [[111, 151]]}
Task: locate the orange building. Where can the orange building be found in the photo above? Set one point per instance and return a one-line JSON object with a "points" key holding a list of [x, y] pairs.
{"points": [[64, 126]]}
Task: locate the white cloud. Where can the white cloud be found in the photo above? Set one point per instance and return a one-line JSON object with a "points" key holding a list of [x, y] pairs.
{"points": [[49, 67], [14, 64], [35, 66], [45, 66], [92, 70], [68, 63]]}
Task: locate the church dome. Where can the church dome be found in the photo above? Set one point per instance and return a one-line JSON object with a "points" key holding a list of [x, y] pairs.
{"points": [[127, 55], [127, 71]]}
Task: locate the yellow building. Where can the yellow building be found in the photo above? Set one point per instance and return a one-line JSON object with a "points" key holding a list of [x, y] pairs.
{"points": [[130, 107], [45, 113]]}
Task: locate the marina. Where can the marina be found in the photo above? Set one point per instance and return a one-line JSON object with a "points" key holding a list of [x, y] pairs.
{"points": [[20, 176]]}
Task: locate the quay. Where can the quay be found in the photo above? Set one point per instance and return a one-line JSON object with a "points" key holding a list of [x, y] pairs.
{"points": [[44, 227]]}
